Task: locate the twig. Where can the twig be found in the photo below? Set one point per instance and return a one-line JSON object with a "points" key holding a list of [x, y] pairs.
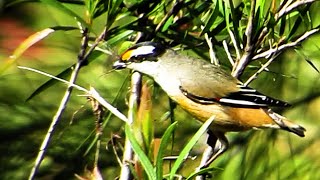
{"points": [[213, 58], [98, 112], [235, 44], [92, 93], [287, 45], [172, 10], [62, 106], [249, 48], [284, 9], [288, 7], [207, 154], [255, 75], [107, 105], [225, 46], [276, 51], [133, 102], [95, 44]]}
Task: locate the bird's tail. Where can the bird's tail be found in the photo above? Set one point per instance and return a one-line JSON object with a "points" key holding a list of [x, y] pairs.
{"points": [[285, 124]]}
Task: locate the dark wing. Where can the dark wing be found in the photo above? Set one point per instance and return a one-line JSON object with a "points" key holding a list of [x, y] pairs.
{"points": [[207, 84], [245, 97]]}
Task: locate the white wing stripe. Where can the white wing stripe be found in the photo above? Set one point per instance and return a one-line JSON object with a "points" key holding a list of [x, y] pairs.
{"points": [[240, 102]]}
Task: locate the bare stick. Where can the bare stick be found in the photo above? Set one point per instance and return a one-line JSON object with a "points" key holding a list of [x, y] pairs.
{"points": [[128, 152], [249, 49], [205, 157], [287, 45], [62, 106], [255, 75], [213, 58], [284, 9], [288, 7], [225, 46], [163, 20], [92, 93], [235, 44]]}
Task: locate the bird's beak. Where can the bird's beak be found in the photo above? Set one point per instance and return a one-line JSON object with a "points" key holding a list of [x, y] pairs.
{"points": [[119, 65]]}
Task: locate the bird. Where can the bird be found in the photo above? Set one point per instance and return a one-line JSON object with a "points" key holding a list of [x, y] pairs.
{"points": [[206, 90]]}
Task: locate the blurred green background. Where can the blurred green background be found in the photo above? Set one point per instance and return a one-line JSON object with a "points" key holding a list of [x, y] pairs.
{"points": [[264, 154]]}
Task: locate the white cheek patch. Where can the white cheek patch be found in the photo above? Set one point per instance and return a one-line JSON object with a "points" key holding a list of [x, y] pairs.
{"points": [[143, 50]]}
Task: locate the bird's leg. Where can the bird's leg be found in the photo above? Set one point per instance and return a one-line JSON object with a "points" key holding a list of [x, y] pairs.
{"points": [[213, 138]]}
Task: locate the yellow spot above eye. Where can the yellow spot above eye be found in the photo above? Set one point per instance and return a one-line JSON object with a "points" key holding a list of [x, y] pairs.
{"points": [[126, 55], [139, 51]]}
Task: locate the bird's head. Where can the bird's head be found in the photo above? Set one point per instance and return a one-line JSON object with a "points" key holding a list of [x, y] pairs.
{"points": [[142, 57]]}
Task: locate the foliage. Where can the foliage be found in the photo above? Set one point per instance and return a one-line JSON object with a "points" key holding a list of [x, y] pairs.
{"points": [[270, 45]]}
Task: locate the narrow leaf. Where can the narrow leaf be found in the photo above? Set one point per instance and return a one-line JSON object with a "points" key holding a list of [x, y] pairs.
{"points": [[185, 152], [312, 65], [145, 162], [211, 21], [28, 42], [65, 73], [203, 171], [163, 144], [62, 8]]}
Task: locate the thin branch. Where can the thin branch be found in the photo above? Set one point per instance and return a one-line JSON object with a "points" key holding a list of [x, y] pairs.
{"points": [[133, 102], [284, 9], [287, 45], [107, 105], [225, 46], [95, 44], [249, 48], [207, 154], [54, 77], [288, 7], [92, 93], [172, 10], [62, 106], [284, 5], [213, 58], [235, 44], [82, 57], [255, 75]]}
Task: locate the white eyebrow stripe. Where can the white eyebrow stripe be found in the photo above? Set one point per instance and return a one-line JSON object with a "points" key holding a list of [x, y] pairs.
{"points": [[143, 50]]}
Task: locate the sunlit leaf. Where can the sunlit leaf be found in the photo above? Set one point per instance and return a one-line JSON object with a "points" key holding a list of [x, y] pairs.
{"points": [[145, 162], [65, 73], [30, 41], [185, 151], [163, 145], [62, 8]]}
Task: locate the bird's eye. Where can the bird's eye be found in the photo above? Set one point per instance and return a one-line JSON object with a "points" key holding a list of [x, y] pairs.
{"points": [[143, 51]]}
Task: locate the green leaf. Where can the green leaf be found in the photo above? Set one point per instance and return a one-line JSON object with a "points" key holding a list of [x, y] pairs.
{"points": [[185, 152], [282, 26], [235, 22], [203, 171], [307, 59], [145, 162], [62, 8], [211, 21], [65, 73], [30, 41], [163, 144], [298, 21], [167, 24], [119, 37]]}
